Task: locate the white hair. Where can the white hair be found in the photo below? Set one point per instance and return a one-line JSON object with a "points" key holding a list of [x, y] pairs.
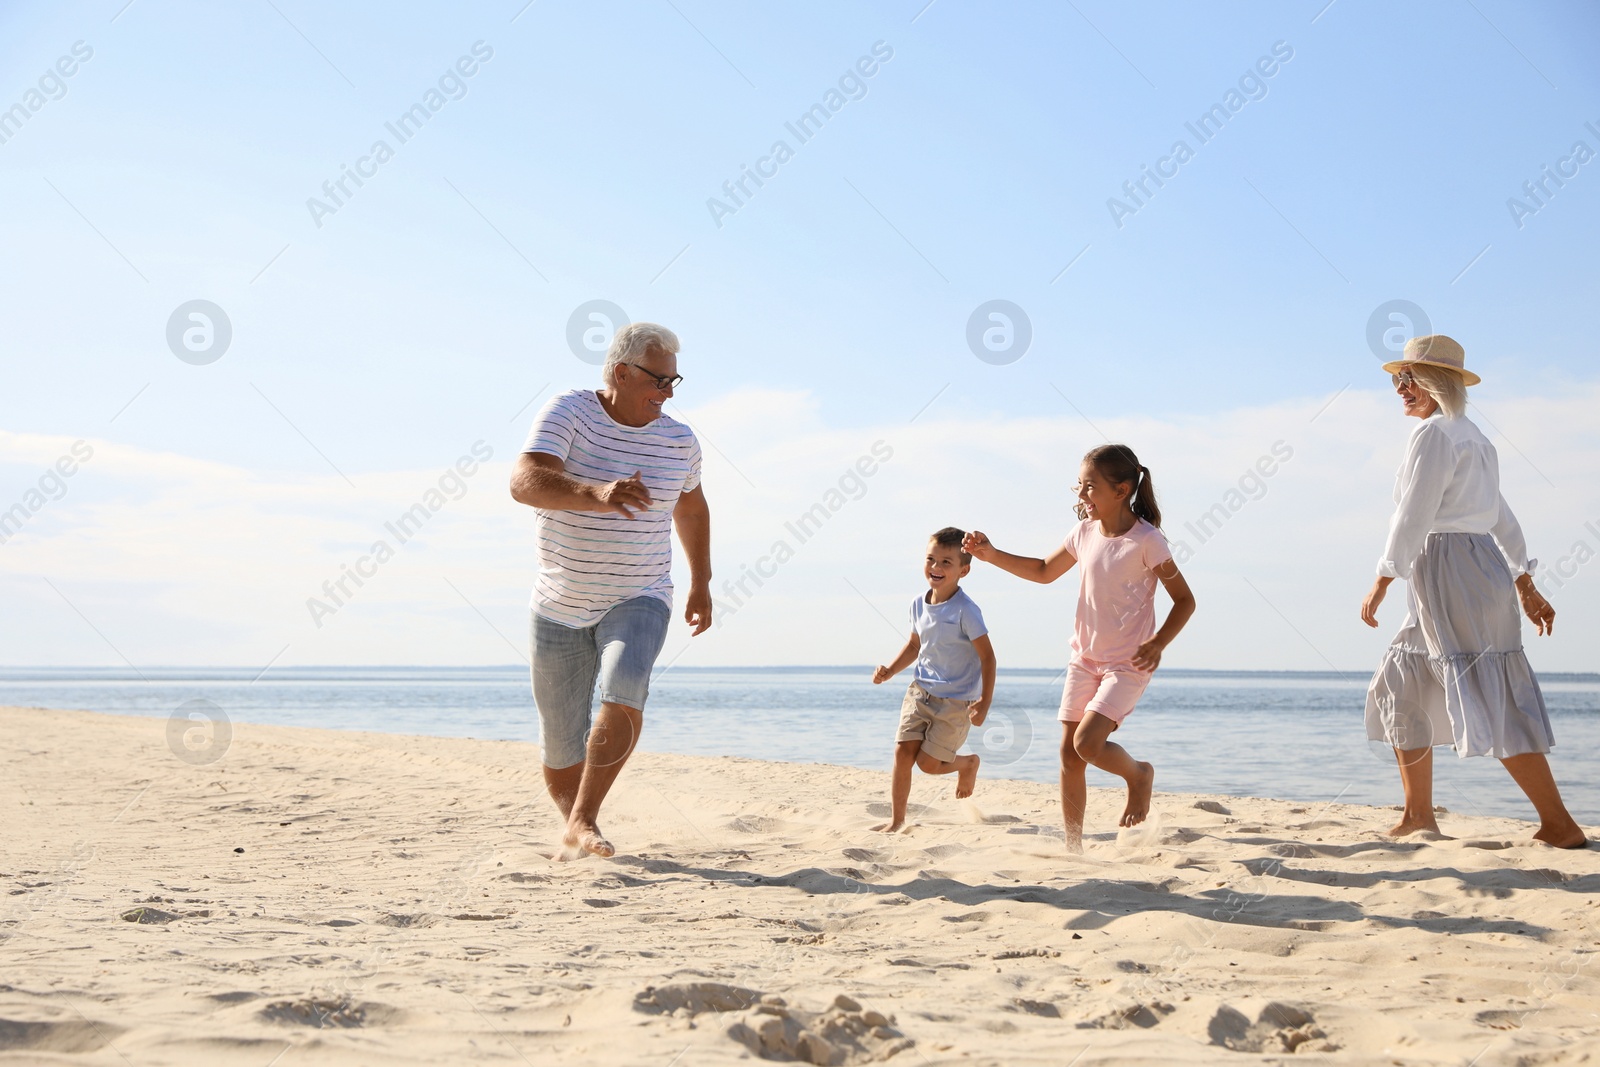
{"points": [[1448, 389], [633, 343]]}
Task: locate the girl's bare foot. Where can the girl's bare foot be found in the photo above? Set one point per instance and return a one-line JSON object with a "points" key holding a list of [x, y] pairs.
{"points": [[1410, 824], [967, 775], [889, 827], [1569, 835], [1139, 790]]}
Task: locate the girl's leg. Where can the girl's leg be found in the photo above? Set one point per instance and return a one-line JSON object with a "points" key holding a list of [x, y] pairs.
{"points": [[1090, 740], [1556, 825], [905, 758], [1074, 790], [1416, 779]]}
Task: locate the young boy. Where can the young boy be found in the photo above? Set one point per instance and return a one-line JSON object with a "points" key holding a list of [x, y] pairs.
{"points": [[954, 679]]}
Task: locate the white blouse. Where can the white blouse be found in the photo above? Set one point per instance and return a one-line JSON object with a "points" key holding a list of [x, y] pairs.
{"points": [[1450, 483]]}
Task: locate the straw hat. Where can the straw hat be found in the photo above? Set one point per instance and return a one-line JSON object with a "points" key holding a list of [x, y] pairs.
{"points": [[1434, 350]]}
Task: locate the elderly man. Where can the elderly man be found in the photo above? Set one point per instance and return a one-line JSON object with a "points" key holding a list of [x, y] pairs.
{"points": [[609, 475]]}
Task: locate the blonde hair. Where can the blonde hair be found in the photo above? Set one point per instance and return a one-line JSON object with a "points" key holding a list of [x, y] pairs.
{"points": [[1448, 389], [634, 342]]}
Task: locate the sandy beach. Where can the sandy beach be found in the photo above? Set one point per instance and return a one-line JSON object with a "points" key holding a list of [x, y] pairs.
{"points": [[324, 897]]}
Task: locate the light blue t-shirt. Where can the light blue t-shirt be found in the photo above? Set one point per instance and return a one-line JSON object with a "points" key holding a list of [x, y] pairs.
{"points": [[947, 664]]}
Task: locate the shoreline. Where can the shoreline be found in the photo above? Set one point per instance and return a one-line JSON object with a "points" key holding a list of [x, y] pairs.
{"points": [[391, 903]]}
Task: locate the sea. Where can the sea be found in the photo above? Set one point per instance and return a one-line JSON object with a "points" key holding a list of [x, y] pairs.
{"points": [[1292, 735]]}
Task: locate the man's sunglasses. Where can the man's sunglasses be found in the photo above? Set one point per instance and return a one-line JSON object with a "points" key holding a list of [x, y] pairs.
{"points": [[663, 382]]}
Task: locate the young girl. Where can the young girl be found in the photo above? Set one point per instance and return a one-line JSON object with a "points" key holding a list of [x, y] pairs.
{"points": [[1115, 644]]}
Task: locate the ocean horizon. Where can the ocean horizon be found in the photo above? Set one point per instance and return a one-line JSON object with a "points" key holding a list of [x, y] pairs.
{"points": [[1291, 735]]}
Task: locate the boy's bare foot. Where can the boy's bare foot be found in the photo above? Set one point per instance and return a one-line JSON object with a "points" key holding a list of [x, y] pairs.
{"points": [[889, 827], [1569, 835], [584, 837], [967, 775], [1409, 825], [1139, 790]]}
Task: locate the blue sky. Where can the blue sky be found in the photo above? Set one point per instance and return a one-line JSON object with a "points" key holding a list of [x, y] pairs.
{"points": [[832, 307]]}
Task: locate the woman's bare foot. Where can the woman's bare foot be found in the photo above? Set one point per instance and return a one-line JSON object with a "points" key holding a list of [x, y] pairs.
{"points": [[584, 837], [889, 827], [966, 775], [1410, 824], [1568, 835], [1139, 790]]}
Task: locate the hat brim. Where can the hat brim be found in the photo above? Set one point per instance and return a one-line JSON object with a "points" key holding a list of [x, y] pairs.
{"points": [[1396, 366]]}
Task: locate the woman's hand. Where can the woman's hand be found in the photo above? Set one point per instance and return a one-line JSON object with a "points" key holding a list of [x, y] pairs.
{"points": [[976, 544], [1369, 606], [1535, 606]]}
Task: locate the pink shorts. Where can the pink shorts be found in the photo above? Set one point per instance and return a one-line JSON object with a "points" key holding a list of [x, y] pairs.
{"points": [[1111, 691]]}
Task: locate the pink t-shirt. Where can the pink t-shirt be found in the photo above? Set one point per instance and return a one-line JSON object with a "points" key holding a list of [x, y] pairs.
{"points": [[1117, 597]]}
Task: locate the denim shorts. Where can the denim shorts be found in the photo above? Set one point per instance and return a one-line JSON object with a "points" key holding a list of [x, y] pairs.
{"points": [[618, 652]]}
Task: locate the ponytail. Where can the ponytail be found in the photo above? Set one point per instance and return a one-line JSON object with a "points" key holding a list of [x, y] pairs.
{"points": [[1119, 466]]}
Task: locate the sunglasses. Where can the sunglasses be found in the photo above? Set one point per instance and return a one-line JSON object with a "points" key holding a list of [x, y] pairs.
{"points": [[1405, 378], [664, 382]]}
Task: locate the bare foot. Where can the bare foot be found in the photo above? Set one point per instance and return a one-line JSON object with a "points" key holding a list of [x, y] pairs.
{"points": [[967, 776], [1410, 825], [1075, 843], [1139, 790], [1569, 835], [889, 827], [584, 837]]}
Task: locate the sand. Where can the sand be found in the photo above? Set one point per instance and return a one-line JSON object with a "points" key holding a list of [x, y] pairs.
{"points": [[327, 897]]}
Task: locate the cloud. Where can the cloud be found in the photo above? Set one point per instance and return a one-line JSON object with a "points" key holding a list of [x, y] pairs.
{"points": [[181, 560]]}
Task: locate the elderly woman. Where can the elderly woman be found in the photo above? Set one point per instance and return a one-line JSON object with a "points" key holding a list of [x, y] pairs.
{"points": [[1456, 673]]}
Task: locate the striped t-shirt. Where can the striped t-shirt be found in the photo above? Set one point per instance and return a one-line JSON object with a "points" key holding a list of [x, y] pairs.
{"points": [[591, 561]]}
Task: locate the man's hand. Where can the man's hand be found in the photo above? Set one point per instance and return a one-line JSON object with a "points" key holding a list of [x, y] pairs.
{"points": [[697, 608], [977, 711], [976, 544], [881, 675], [625, 495], [1148, 655], [1369, 606], [1535, 606]]}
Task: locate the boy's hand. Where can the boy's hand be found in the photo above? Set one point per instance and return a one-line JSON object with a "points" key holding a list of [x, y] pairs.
{"points": [[976, 544], [1148, 657], [881, 675], [978, 711]]}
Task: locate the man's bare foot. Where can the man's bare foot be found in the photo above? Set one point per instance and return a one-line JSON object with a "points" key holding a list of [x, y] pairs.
{"points": [[1139, 790], [584, 837], [1569, 835], [893, 827], [967, 775], [1409, 824]]}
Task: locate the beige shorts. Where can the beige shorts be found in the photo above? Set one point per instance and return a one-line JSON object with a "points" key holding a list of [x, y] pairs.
{"points": [[940, 723]]}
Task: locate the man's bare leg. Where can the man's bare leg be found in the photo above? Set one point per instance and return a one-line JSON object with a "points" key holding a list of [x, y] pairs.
{"points": [[966, 768], [562, 785], [905, 758], [1556, 825], [1074, 789], [1416, 780], [611, 740], [1090, 741]]}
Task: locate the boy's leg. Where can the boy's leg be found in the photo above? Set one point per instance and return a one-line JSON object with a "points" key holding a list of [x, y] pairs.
{"points": [[1090, 741], [947, 732], [905, 758], [1074, 788], [966, 768]]}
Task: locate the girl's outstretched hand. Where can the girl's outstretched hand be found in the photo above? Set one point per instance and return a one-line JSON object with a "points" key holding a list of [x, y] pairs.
{"points": [[976, 544], [1148, 656]]}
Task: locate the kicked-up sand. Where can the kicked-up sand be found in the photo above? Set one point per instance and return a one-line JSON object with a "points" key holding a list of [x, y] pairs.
{"points": [[324, 897]]}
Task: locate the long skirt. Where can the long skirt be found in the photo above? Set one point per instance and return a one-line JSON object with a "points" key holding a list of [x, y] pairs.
{"points": [[1456, 673]]}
